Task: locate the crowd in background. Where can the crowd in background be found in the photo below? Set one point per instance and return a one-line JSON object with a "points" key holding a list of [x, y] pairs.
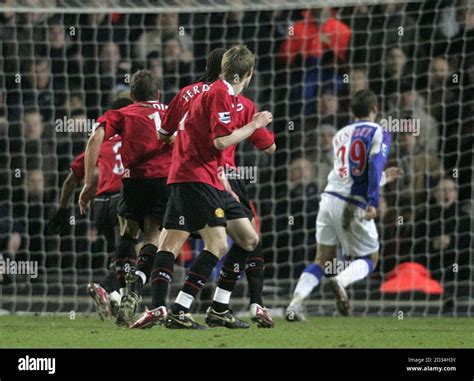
{"points": [[418, 58]]}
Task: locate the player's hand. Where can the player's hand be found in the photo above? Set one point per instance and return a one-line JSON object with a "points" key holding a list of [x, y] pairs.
{"points": [[58, 223], [228, 188], [86, 196], [393, 173], [370, 212], [442, 242], [262, 119]]}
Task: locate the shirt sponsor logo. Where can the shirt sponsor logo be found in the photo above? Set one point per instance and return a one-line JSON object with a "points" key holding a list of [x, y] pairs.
{"points": [[224, 117]]}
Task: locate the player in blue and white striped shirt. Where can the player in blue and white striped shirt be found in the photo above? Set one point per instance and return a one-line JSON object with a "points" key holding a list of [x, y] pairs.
{"points": [[349, 205]]}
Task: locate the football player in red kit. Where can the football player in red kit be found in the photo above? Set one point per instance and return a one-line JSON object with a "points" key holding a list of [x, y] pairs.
{"points": [[198, 199], [145, 194], [108, 176], [263, 139]]}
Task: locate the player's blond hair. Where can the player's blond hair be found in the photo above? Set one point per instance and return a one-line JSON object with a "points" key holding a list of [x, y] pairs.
{"points": [[237, 63]]}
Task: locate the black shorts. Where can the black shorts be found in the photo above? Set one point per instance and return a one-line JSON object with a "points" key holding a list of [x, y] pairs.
{"points": [[142, 198], [192, 206], [104, 215], [240, 189]]}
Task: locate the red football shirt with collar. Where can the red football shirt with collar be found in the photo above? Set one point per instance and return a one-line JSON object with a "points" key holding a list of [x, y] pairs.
{"points": [[109, 164], [181, 103], [211, 115], [144, 155]]}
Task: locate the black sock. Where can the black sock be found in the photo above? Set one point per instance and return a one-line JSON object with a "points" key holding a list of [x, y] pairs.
{"points": [[125, 259], [145, 260], [196, 278], [232, 268], [110, 283], [255, 272], [161, 277]]}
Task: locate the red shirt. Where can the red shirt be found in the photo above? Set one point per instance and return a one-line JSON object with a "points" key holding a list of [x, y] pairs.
{"points": [[180, 104], [306, 39], [109, 164], [143, 155], [211, 115], [261, 138]]}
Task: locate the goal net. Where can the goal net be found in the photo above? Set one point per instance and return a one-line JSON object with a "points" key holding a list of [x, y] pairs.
{"points": [[63, 62]]}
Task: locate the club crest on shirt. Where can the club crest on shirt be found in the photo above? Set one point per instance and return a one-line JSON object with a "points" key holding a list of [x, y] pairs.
{"points": [[219, 213], [224, 117]]}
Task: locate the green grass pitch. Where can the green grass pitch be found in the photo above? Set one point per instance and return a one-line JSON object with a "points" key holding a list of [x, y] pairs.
{"points": [[319, 332]]}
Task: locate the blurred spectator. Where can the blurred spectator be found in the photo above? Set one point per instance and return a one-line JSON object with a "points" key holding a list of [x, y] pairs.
{"points": [[358, 79], [324, 158], [329, 110], [161, 27], [295, 211], [408, 103], [35, 185], [443, 240], [312, 49], [113, 73], [32, 125], [75, 100], [176, 69], [318, 32], [421, 172], [462, 44], [396, 69], [65, 65], [390, 27], [38, 89], [442, 98]]}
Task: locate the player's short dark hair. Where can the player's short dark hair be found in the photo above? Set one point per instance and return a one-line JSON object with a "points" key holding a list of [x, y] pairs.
{"points": [[119, 103], [144, 86], [363, 103], [213, 65]]}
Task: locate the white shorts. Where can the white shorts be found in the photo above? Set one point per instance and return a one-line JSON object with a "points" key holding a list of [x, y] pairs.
{"points": [[359, 240]]}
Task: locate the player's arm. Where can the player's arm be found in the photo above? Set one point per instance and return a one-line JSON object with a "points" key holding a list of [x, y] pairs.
{"points": [[90, 163], [264, 140], [67, 190], [170, 123], [377, 158], [259, 120], [390, 174], [59, 219]]}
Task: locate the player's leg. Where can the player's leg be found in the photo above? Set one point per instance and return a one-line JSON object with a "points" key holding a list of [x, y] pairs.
{"points": [[146, 254], [309, 280], [359, 239], [125, 261], [110, 230], [215, 246], [106, 226], [245, 240], [357, 270], [147, 201], [255, 273], [170, 244], [326, 236]]}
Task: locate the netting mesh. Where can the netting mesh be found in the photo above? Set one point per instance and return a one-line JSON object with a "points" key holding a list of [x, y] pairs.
{"points": [[66, 62]]}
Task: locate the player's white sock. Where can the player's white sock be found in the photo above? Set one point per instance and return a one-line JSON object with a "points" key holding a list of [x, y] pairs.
{"points": [[142, 276], [222, 296], [357, 270], [115, 297], [309, 279], [184, 299]]}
